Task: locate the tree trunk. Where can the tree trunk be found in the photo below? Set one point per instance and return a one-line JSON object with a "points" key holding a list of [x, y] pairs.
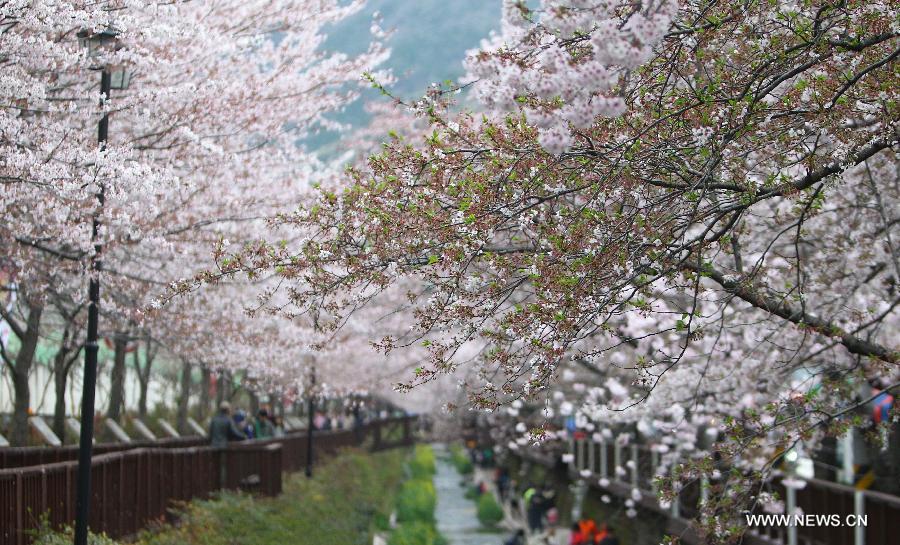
{"points": [[59, 408], [117, 380], [20, 373], [205, 385], [184, 397], [62, 363], [144, 375], [276, 404], [223, 387], [254, 402]]}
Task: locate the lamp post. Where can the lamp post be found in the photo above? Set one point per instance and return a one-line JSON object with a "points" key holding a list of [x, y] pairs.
{"points": [[309, 428], [94, 43]]}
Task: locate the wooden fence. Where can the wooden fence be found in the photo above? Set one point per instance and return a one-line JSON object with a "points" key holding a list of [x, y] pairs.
{"points": [[133, 486]]}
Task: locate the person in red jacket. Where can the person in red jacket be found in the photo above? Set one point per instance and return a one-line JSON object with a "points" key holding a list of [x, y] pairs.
{"points": [[577, 537], [610, 538]]}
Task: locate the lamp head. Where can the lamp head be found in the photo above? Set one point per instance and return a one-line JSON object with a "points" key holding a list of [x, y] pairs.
{"points": [[105, 40]]}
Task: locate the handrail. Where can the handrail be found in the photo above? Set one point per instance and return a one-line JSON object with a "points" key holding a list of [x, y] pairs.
{"points": [[133, 486]]}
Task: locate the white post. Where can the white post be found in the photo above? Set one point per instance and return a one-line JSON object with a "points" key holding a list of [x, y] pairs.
{"points": [[704, 489], [676, 506], [847, 457], [603, 460], [791, 507], [859, 509]]}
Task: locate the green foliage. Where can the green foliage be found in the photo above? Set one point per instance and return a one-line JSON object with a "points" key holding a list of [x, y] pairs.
{"points": [[416, 501], [343, 503], [422, 465], [461, 460], [489, 511], [45, 535], [416, 533]]}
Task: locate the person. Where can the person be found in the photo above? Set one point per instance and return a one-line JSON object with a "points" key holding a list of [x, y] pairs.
{"points": [[243, 423], [610, 538], [278, 423], [577, 537], [517, 539], [548, 506], [588, 529], [263, 428], [222, 428], [319, 420], [501, 481], [534, 509]]}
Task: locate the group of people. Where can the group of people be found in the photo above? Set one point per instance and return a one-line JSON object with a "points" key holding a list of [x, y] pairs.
{"points": [[226, 427], [542, 515], [586, 532]]}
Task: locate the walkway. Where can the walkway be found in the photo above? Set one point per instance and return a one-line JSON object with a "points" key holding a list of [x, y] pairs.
{"points": [[456, 516]]}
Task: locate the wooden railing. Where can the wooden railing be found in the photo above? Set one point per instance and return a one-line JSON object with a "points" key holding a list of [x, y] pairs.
{"points": [[881, 511], [133, 486]]}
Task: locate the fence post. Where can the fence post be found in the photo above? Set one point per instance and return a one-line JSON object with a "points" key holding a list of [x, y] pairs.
{"points": [[859, 509], [847, 473], [704, 489], [376, 436], [592, 455], [791, 499], [581, 458], [635, 461], [20, 507], [676, 505], [604, 473], [617, 457]]}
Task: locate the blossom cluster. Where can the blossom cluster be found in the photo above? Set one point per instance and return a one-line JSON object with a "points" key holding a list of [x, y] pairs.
{"points": [[562, 67]]}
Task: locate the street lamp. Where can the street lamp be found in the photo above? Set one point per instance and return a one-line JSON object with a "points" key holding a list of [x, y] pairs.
{"points": [[94, 44]]}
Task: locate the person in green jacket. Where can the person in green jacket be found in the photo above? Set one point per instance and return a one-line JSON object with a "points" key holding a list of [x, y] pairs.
{"points": [[262, 427]]}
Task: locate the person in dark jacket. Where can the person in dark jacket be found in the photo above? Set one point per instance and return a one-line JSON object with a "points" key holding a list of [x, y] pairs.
{"points": [[610, 538], [222, 428], [517, 539]]}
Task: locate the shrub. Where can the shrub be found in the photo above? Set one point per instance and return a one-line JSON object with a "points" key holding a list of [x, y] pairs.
{"points": [[416, 533], [416, 501], [489, 511], [422, 466], [461, 460], [45, 535]]}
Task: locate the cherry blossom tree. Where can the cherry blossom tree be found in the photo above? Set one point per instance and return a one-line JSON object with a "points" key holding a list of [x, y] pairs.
{"points": [[203, 144], [694, 202]]}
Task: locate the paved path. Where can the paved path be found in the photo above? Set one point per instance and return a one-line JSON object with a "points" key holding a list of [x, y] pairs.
{"points": [[456, 516]]}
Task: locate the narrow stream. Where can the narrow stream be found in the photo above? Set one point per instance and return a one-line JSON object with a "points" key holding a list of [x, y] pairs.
{"points": [[456, 516]]}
